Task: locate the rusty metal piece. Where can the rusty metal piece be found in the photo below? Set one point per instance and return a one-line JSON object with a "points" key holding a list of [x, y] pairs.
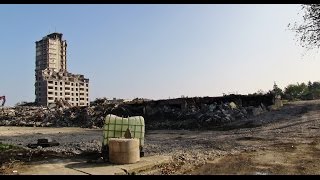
{"points": [[128, 134]]}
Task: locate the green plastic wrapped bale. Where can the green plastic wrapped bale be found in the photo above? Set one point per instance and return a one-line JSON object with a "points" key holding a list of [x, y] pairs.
{"points": [[115, 127]]}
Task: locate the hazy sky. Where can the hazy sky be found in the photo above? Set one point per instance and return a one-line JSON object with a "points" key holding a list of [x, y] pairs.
{"points": [[158, 51]]}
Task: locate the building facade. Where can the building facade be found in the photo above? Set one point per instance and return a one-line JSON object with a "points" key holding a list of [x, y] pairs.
{"points": [[52, 80]]}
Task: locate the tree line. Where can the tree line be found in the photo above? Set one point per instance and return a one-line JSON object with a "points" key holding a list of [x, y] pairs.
{"points": [[299, 91]]}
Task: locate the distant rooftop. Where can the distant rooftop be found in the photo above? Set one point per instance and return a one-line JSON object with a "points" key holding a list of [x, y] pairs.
{"points": [[54, 35]]}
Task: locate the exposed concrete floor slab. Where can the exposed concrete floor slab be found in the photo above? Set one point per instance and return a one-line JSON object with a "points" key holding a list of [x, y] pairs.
{"points": [[81, 167]]}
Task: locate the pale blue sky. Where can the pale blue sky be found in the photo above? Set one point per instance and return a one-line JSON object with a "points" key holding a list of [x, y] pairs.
{"points": [[158, 51]]}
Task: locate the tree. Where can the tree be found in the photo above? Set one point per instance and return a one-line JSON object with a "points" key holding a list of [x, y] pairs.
{"points": [[276, 90], [309, 85], [259, 92], [316, 85], [308, 32], [313, 90], [298, 91]]}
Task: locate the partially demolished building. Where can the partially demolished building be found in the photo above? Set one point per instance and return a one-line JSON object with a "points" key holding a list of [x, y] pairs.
{"points": [[52, 80]]}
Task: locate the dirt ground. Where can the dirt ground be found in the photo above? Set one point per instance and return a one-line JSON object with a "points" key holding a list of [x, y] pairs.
{"points": [[286, 141]]}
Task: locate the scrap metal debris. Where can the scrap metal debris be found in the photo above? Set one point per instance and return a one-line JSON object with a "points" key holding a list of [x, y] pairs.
{"points": [[44, 142]]}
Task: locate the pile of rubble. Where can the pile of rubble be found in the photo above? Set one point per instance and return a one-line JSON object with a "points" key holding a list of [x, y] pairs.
{"points": [[24, 116], [160, 118], [157, 116], [45, 117], [204, 117]]}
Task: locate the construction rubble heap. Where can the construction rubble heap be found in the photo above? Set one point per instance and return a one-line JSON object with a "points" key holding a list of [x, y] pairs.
{"points": [[181, 113]]}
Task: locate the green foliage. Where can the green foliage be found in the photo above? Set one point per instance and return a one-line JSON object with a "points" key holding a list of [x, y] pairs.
{"points": [[293, 91], [299, 91], [276, 90], [302, 91], [5, 147]]}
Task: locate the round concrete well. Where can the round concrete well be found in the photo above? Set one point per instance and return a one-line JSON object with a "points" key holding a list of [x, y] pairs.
{"points": [[124, 151]]}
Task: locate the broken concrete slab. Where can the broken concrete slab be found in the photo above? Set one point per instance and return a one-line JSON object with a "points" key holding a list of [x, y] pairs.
{"points": [[81, 167]]}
